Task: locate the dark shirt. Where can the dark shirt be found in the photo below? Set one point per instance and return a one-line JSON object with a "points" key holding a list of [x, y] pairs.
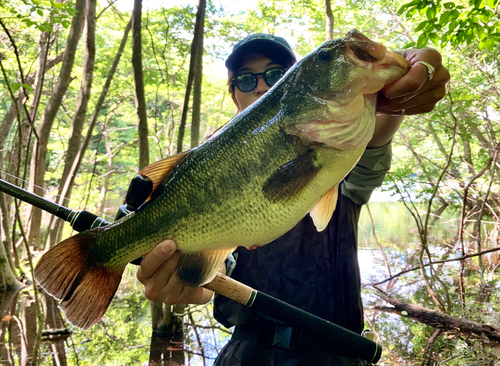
{"points": [[315, 271]]}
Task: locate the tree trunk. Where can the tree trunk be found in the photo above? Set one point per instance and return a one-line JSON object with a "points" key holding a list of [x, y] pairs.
{"points": [[6, 242], [8, 280], [19, 151], [109, 153], [189, 84], [10, 164], [9, 334], [55, 330], [330, 20], [37, 80], [140, 98], [440, 320], [198, 75], [93, 120], [39, 156], [18, 154], [167, 339], [28, 318], [75, 138]]}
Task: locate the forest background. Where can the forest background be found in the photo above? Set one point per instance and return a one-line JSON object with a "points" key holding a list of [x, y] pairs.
{"points": [[92, 91]]}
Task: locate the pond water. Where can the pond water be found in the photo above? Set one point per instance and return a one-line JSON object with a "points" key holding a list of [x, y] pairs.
{"points": [[124, 336]]}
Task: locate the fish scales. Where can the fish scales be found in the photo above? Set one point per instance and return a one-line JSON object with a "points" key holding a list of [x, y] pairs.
{"points": [[224, 217], [248, 184]]}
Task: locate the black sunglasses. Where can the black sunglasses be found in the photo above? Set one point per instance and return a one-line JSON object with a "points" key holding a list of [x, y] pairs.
{"points": [[247, 81]]}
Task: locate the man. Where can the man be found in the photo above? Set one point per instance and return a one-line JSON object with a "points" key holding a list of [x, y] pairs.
{"points": [[315, 271]]}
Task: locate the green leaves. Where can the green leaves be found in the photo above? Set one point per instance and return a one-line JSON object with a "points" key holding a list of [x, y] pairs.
{"points": [[455, 23], [16, 86], [42, 14]]}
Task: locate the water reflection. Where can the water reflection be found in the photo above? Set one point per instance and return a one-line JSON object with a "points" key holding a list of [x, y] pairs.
{"points": [[18, 333], [406, 341], [125, 336]]}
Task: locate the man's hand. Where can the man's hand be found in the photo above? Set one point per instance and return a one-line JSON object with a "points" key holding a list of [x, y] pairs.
{"points": [[414, 93], [157, 274]]}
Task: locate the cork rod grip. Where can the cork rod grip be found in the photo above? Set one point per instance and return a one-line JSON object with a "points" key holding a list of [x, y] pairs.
{"points": [[232, 289]]}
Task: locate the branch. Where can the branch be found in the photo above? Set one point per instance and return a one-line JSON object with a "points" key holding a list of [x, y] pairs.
{"points": [[16, 52], [439, 320], [39, 312], [428, 347], [436, 262], [110, 5]]}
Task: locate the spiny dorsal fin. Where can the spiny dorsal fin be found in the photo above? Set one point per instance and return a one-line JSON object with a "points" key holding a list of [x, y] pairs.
{"points": [[291, 178], [161, 168], [322, 212], [197, 269]]}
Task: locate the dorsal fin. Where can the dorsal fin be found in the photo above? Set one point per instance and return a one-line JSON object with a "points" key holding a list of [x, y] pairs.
{"points": [[322, 212], [161, 168]]}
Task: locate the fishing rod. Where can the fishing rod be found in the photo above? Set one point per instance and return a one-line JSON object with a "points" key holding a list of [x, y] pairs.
{"points": [[79, 220], [335, 339]]}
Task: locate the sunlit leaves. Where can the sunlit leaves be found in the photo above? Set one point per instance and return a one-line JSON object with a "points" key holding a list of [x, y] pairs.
{"points": [[43, 14], [16, 86], [456, 23]]}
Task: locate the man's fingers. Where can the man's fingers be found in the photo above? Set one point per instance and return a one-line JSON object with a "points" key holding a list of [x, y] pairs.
{"points": [[157, 273], [416, 81], [164, 286], [163, 280], [423, 108], [154, 259], [421, 103], [408, 84]]}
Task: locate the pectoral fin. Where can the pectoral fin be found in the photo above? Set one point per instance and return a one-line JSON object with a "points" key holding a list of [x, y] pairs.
{"points": [[323, 210], [291, 178], [197, 269], [161, 168]]}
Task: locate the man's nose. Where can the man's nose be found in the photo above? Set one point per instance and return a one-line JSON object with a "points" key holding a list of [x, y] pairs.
{"points": [[262, 86]]}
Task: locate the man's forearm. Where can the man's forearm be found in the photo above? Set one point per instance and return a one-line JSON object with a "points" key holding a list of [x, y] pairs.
{"points": [[385, 128]]}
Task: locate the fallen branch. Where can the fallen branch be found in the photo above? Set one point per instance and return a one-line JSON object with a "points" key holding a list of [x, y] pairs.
{"points": [[55, 335], [436, 319]]}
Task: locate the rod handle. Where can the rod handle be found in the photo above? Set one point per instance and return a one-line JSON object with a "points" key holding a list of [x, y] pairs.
{"points": [[84, 220], [232, 289], [333, 338]]}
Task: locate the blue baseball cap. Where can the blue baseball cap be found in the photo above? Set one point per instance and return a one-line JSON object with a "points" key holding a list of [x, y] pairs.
{"points": [[276, 48]]}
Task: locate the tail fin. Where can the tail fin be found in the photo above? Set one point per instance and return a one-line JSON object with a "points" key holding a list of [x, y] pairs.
{"points": [[69, 273]]}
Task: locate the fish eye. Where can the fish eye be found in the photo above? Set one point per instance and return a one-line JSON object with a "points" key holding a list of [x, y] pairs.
{"points": [[324, 55]]}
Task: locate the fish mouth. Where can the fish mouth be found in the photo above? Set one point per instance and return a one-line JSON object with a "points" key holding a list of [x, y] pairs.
{"points": [[362, 52], [383, 58], [388, 66], [394, 59], [393, 67]]}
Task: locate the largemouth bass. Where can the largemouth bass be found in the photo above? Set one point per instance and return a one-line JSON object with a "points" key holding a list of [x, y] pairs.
{"points": [[247, 185]]}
